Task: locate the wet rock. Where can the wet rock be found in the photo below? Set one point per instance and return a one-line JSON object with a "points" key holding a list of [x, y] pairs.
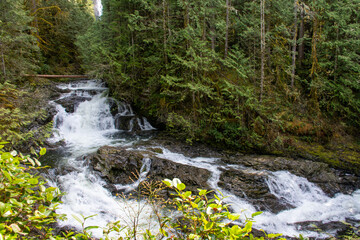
{"points": [[70, 103], [124, 122], [192, 177], [328, 179], [121, 166], [117, 164], [251, 186], [327, 229]]}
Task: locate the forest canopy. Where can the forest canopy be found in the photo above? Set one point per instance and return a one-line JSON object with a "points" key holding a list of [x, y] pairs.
{"points": [[245, 74]]}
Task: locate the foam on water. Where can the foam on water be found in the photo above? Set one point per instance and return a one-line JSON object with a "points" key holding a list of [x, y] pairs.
{"points": [[92, 125], [89, 127], [309, 201]]}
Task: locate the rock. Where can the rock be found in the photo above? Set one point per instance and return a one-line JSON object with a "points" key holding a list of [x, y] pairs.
{"points": [[192, 177], [117, 164], [252, 186], [329, 228], [70, 103], [329, 180], [124, 122], [120, 166]]}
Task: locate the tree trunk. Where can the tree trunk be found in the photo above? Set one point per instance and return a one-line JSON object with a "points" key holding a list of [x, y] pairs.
{"points": [[164, 32], [301, 35], [227, 27], [314, 60], [3, 60], [262, 12], [36, 24], [337, 52], [293, 67]]}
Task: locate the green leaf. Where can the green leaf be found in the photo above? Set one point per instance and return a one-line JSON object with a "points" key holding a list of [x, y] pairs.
{"points": [[42, 151], [49, 197], [181, 186], [77, 218], [33, 181], [167, 182], [7, 175], [15, 228], [89, 216], [271, 235], [202, 192], [91, 227], [256, 214]]}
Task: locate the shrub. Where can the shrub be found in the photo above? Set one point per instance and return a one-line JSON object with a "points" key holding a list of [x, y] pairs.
{"points": [[27, 206]]}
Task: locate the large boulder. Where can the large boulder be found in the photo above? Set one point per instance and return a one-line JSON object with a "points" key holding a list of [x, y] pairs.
{"points": [[193, 177], [117, 164], [70, 103], [121, 166], [253, 187], [328, 179]]}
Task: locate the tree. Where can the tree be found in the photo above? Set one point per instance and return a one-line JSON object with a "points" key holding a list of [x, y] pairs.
{"points": [[18, 49], [262, 29]]}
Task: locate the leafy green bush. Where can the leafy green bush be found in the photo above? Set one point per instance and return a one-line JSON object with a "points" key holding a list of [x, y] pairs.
{"points": [[27, 206]]}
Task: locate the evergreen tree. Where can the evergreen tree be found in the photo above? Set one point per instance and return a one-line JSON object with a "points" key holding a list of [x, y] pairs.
{"points": [[18, 48]]}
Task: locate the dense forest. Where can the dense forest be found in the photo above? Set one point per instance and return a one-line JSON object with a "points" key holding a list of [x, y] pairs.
{"points": [[254, 76], [36, 36], [248, 75], [242, 74]]}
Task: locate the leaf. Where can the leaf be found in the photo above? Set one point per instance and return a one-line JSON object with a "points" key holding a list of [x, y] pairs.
{"points": [[181, 186], [202, 192], [15, 228], [175, 182], [42, 151], [89, 216], [91, 227], [77, 218], [256, 214], [33, 181], [167, 182], [271, 235], [233, 217]]}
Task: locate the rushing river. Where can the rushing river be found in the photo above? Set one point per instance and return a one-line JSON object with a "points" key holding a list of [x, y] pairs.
{"points": [[92, 124]]}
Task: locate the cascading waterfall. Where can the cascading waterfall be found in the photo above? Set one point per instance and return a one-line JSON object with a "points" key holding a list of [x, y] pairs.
{"points": [[309, 201], [92, 125], [89, 127]]}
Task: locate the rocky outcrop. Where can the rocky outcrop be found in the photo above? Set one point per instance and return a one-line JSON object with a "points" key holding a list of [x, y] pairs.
{"points": [[117, 164], [328, 179], [121, 166], [192, 177], [70, 103], [251, 186]]}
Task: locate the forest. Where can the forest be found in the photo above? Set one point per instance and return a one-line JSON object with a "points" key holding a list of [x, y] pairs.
{"points": [[264, 76], [248, 75], [275, 77]]}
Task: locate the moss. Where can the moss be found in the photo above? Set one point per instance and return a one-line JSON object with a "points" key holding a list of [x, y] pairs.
{"points": [[342, 156]]}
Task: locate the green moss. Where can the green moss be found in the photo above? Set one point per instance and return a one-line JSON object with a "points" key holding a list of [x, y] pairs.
{"points": [[344, 156]]}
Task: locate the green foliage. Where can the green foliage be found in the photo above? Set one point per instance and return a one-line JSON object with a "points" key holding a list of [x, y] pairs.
{"points": [[19, 53], [27, 206], [167, 58], [205, 218], [16, 121], [198, 217]]}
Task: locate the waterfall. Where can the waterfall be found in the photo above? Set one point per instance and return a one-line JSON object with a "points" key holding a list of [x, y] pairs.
{"points": [[83, 131], [93, 124]]}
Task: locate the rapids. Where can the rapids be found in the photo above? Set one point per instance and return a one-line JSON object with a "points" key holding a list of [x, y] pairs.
{"points": [[93, 124]]}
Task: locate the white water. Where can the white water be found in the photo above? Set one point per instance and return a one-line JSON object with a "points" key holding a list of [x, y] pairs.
{"points": [[92, 126], [309, 201], [84, 131]]}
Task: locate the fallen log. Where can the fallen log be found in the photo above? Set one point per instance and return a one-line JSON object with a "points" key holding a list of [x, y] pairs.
{"points": [[56, 76]]}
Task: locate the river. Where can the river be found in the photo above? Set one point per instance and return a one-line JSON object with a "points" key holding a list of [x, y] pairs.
{"points": [[93, 123]]}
